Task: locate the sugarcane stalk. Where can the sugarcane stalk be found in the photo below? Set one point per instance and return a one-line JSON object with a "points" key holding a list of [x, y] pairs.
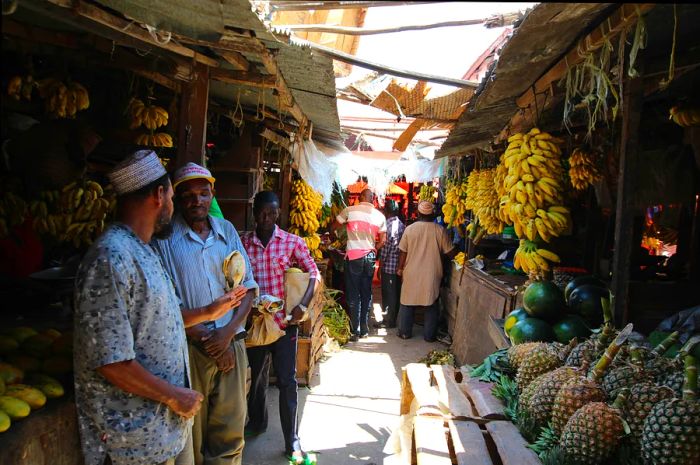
{"points": [[690, 385], [610, 353], [621, 398], [666, 344], [636, 356]]}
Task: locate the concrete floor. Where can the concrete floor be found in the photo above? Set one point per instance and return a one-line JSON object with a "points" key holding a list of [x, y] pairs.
{"points": [[352, 405]]}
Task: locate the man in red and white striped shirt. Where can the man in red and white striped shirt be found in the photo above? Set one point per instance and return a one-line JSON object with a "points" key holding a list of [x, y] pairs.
{"points": [[366, 228]]}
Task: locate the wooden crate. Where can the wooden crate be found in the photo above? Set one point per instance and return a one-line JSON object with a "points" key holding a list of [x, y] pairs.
{"points": [[457, 421]]}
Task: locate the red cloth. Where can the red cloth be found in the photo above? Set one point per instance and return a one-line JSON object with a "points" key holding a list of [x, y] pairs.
{"points": [[269, 263], [21, 252]]}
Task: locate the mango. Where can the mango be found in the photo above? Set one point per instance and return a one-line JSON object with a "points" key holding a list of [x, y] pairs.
{"points": [[20, 333], [51, 387], [33, 396], [8, 345], [10, 374], [4, 422], [37, 345], [57, 365], [63, 344], [15, 408], [25, 363]]}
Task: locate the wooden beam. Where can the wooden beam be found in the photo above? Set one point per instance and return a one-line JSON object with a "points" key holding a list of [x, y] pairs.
{"points": [[322, 5], [129, 28], [353, 60], [624, 220], [491, 22], [625, 16], [275, 138], [287, 100], [237, 60], [192, 130], [228, 42], [264, 81]]}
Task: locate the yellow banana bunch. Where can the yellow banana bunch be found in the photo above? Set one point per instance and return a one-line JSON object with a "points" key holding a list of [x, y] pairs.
{"points": [[13, 210], [582, 171], [455, 203], [159, 139], [151, 116], [486, 202], [685, 117], [74, 214], [20, 87], [459, 258], [534, 186], [63, 101], [472, 190], [533, 260], [305, 214], [427, 193]]}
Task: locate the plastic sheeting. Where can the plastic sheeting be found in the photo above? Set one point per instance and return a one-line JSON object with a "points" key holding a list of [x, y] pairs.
{"points": [[320, 165]]}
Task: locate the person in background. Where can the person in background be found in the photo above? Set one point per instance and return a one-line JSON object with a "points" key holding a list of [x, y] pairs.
{"points": [[366, 229], [132, 387], [420, 266], [389, 261], [272, 251], [193, 255]]}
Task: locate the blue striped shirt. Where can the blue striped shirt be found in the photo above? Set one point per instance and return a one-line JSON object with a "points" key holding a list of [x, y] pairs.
{"points": [[195, 264]]}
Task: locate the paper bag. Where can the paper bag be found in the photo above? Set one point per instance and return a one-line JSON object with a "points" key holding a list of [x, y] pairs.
{"points": [[295, 284], [263, 331]]}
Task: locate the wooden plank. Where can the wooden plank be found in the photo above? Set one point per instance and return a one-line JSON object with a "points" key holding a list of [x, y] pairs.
{"points": [[479, 392], [192, 129], [295, 5], [264, 81], [427, 396], [286, 98], [493, 21], [235, 59], [431, 441], [468, 443], [451, 395], [496, 332], [624, 17], [512, 448], [624, 218], [405, 138], [353, 60], [127, 28]]}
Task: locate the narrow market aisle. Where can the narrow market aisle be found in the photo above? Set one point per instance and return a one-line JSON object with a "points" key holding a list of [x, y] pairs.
{"points": [[352, 406]]}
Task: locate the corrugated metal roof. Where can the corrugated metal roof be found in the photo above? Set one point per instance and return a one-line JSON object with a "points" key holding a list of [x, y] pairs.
{"points": [[540, 41]]}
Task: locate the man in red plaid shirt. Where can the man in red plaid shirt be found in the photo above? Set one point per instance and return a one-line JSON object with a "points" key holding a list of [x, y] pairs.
{"points": [[271, 252]]}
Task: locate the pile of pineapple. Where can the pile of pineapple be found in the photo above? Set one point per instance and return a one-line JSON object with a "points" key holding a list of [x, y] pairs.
{"points": [[605, 400]]}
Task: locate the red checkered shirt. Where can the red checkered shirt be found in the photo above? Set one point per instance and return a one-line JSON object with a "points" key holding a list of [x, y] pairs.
{"points": [[269, 263]]}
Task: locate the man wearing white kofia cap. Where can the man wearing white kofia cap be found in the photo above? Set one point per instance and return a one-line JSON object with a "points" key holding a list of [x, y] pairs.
{"points": [[193, 255], [132, 386], [421, 249]]}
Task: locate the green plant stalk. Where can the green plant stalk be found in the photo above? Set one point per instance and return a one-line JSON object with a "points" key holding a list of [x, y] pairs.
{"points": [[690, 385], [666, 344], [609, 355], [621, 398]]}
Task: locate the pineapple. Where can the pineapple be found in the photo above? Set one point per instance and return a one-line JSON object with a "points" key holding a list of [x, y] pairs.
{"points": [[625, 375], [671, 433], [518, 352], [593, 432], [593, 347], [539, 361], [581, 390], [641, 400], [546, 389], [674, 381]]}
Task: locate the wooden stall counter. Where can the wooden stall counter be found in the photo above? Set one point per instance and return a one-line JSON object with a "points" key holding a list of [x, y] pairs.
{"points": [[48, 436], [472, 300]]}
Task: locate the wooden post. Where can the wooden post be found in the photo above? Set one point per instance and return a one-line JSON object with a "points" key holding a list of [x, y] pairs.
{"points": [[192, 131], [286, 195], [629, 147]]}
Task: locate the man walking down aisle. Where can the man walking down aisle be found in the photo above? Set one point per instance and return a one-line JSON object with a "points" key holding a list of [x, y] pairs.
{"points": [[193, 255], [389, 262], [366, 228], [420, 266], [131, 370], [272, 251]]}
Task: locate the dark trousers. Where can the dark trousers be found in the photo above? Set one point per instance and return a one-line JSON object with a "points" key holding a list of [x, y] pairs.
{"points": [[358, 291], [283, 355], [430, 320], [391, 292]]}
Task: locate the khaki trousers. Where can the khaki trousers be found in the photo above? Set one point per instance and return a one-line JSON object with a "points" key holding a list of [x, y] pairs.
{"points": [[217, 432]]}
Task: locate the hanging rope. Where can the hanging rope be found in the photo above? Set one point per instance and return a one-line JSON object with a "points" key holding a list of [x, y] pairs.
{"points": [[672, 62], [238, 110]]}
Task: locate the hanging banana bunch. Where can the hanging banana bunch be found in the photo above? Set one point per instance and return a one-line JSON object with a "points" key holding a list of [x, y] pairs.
{"points": [[61, 100], [13, 210], [152, 117], [582, 171], [75, 214], [427, 193], [486, 203], [21, 87], [305, 214], [455, 204], [533, 195], [685, 117]]}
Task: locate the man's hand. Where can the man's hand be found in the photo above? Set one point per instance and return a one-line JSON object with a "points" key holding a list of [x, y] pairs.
{"points": [[185, 402], [399, 273], [197, 333], [226, 302], [227, 361], [297, 315], [216, 343]]}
